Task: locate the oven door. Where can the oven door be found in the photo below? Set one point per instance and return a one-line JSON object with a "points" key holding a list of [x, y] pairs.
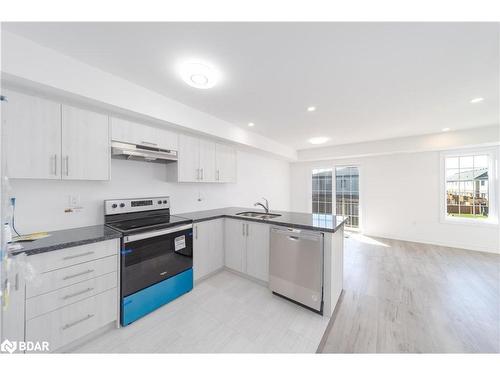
{"points": [[150, 257]]}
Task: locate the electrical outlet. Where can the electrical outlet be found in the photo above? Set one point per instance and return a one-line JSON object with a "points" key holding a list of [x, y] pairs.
{"points": [[74, 204]]}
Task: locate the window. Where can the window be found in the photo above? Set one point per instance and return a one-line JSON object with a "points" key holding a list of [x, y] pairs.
{"points": [[469, 184], [322, 191], [347, 194]]}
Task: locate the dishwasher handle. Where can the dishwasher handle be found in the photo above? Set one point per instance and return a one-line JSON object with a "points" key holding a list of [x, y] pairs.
{"points": [[297, 234]]}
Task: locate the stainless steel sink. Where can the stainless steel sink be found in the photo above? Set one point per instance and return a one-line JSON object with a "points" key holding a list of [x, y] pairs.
{"points": [[258, 215]]}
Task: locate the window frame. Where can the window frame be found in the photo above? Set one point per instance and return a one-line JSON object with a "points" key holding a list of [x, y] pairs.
{"points": [[492, 219]]}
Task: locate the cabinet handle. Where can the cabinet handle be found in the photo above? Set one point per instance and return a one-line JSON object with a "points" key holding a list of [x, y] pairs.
{"points": [[218, 175], [243, 228], [202, 173], [67, 165], [247, 229], [77, 293], [16, 282], [196, 232], [77, 274], [78, 255], [55, 164], [69, 325], [197, 173]]}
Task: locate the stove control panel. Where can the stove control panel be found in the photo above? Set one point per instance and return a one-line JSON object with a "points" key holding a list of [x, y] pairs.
{"points": [[122, 206]]}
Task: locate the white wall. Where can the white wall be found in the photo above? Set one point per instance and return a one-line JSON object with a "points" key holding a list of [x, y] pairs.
{"points": [[399, 196], [40, 204]]}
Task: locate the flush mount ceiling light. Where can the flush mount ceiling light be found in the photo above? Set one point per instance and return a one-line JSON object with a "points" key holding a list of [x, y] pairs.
{"points": [[199, 74], [311, 109], [318, 140], [446, 129], [251, 124], [476, 100]]}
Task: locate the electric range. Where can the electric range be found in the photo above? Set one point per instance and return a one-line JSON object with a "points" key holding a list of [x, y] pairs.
{"points": [[156, 254]]}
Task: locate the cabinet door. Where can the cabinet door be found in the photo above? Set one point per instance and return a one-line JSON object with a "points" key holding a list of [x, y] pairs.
{"points": [[85, 145], [234, 244], [225, 163], [201, 249], [216, 244], [32, 137], [207, 161], [257, 254], [166, 139], [189, 159], [13, 307]]}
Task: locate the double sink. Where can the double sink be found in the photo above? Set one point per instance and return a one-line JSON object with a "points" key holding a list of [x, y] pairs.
{"points": [[258, 215]]}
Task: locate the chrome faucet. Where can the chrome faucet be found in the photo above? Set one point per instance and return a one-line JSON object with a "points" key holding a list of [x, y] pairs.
{"points": [[266, 207]]}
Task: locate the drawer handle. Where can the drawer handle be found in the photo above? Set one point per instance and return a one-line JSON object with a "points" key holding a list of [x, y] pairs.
{"points": [[77, 274], [78, 255], [77, 293], [69, 325]]}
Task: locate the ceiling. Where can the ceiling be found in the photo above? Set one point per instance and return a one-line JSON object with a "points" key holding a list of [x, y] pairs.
{"points": [[368, 81]]}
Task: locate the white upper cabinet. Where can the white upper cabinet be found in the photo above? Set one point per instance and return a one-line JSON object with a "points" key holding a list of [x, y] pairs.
{"points": [[139, 134], [85, 145], [32, 130], [207, 161], [188, 164], [225, 163], [204, 161]]}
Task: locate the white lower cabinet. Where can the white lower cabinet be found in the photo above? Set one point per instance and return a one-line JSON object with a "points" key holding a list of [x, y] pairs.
{"points": [[67, 324], [65, 304], [247, 248], [208, 247]]}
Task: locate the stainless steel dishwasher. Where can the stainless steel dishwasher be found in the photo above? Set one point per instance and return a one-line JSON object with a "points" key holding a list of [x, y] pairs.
{"points": [[296, 266]]}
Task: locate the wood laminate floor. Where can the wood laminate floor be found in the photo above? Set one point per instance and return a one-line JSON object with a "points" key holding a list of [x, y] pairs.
{"points": [[405, 297]]}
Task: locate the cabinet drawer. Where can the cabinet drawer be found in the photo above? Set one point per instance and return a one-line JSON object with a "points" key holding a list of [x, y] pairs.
{"points": [[53, 280], [65, 296], [72, 322], [73, 255]]}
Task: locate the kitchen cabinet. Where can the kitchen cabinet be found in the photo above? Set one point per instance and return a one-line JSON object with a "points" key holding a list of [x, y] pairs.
{"points": [[247, 248], [235, 244], [203, 161], [85, 145], [13, 303], [208, 247], [47, 140], [75, 293], [225, 163], [207, 161], [32, 131], [139, 134], [257, 251]]}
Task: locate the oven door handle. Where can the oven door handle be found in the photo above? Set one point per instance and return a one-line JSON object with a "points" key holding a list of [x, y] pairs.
{"points": [[156, 233]]}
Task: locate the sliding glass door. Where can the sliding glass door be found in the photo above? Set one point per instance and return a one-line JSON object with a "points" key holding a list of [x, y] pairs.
{"points": [[347, 194]]}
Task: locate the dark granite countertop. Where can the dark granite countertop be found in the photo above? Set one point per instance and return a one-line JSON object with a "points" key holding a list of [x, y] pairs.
{"points": [[67, 238], [300, 220]]}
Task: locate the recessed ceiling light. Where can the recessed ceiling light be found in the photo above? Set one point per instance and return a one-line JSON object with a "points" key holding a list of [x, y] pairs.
{"points": [[446, 129], [311, 109], [318, 140], [477, 100], [251, 124], [199, 74]]}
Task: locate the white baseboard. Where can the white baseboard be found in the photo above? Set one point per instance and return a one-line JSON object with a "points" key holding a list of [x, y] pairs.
{"points": [[438, 243]]}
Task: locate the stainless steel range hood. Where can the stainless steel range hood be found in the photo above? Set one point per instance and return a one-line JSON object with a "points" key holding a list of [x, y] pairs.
{"points": [[145, 153]]}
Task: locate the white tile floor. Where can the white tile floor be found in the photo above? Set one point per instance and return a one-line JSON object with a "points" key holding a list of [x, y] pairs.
{"points": [[225, 313]]}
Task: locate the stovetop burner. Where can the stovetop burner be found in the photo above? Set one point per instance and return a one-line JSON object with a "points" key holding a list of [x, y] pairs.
{"points": [[154, 222], [138, 215]]}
